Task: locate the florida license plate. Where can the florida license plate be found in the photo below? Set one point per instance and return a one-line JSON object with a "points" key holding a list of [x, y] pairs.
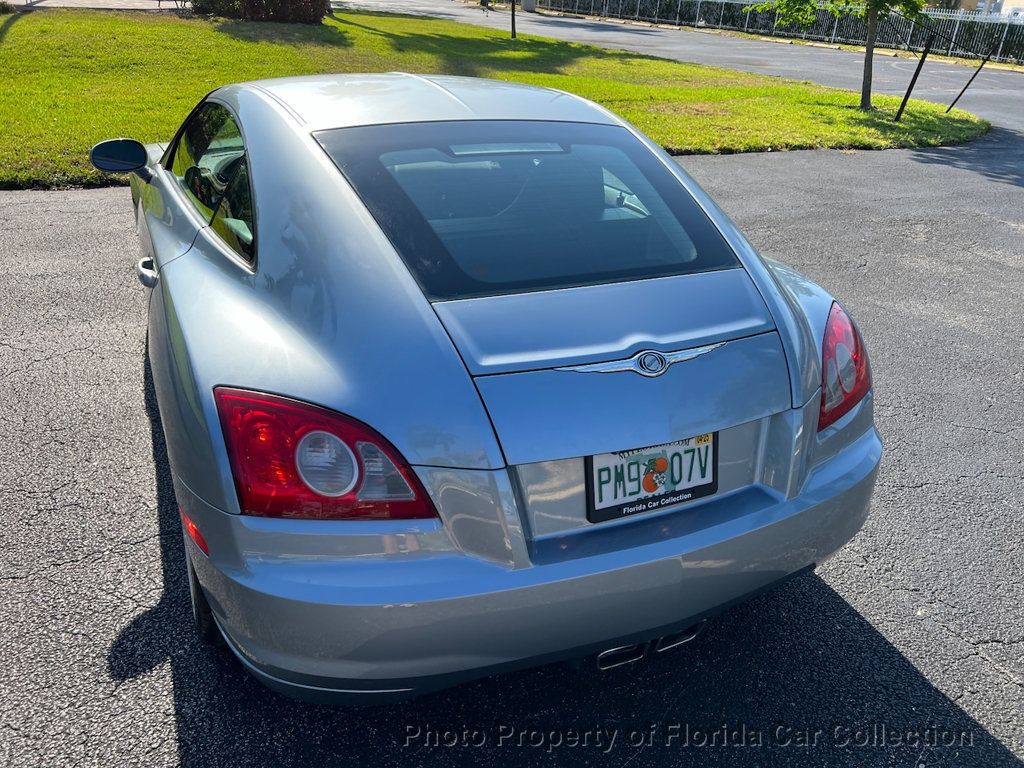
{"points": [[648, 479]]}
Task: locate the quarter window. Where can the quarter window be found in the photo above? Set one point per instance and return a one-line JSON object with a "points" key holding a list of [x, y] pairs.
{"points": [[233, 220], [209, 163]]}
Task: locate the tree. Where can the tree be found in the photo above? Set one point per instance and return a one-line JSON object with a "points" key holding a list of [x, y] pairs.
{"points": [[804, 13]]}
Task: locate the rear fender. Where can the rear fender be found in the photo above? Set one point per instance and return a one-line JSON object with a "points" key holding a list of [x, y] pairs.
{"points": [[809, 301], [801, 346]]}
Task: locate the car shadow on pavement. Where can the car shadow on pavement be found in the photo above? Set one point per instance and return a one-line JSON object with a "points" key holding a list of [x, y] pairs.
{"points": [[795, 677]]}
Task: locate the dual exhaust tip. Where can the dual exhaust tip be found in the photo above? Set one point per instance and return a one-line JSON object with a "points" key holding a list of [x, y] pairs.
{"points": [[622, 655]]}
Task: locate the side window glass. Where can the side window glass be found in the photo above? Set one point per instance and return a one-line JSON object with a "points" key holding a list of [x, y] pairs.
{"points": [[233, 220], [207, 156]]}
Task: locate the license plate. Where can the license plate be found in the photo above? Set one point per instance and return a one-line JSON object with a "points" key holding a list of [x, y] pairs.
{"points": [[649, 479]]}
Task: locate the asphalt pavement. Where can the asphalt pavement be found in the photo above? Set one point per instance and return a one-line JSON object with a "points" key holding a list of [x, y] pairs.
{"points": [[906, 649]]}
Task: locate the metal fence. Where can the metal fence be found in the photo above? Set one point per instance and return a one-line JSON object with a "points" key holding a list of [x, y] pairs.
{"points": [[959, 33]]}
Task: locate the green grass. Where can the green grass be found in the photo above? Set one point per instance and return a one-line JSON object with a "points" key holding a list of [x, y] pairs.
{"points": [[71, 78]]}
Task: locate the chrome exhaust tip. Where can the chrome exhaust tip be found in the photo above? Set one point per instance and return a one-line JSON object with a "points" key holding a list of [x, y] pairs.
{"points": [[620, 656], [668, 642]]}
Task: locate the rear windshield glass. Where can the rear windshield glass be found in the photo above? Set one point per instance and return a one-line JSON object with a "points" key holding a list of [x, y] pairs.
{"points": [[478, 208]]}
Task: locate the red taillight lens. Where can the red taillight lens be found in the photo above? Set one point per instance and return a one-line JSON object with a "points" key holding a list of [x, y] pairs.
{"points": [[845, 372], [292, 459]]}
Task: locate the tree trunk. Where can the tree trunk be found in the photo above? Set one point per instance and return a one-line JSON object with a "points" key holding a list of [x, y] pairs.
{"points": [[869, 55]]}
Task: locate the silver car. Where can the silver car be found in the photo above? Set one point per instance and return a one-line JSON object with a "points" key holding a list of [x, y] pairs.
{"points": [[460, 376]]}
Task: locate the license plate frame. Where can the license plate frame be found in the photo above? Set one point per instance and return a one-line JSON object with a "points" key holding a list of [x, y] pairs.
{"points": [[642, 503]]}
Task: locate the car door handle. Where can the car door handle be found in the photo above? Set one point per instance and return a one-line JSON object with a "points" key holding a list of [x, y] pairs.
{"points": [[146, 271]]}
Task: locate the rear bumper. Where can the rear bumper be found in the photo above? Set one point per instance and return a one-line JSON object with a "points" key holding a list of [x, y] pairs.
{"points": [[418, 617]]}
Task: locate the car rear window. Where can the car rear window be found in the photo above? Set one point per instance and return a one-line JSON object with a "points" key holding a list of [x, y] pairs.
{"points": [[479, 208]]}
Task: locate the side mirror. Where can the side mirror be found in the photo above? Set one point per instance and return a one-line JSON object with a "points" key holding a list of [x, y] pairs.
{"points": [[121, 156]]}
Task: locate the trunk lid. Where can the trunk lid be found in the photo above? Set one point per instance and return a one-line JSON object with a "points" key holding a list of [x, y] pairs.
{"points": [[548, 329], [537, 361]]}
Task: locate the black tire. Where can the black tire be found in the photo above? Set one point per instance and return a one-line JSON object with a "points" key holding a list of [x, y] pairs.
{"points": [[202, 616]]}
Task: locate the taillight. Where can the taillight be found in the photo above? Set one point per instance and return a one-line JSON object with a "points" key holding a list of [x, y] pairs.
{"points": [[845, 372], [293, 459]]}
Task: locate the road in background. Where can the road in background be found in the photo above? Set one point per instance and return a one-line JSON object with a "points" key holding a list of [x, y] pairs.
{"points": [[996, 95]]}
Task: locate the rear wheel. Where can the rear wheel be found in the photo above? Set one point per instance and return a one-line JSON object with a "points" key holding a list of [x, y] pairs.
{"points": [[202, 616]]}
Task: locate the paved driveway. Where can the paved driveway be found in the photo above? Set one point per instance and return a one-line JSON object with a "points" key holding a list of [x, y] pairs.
{"points": [[916, 624], [910, 639]]}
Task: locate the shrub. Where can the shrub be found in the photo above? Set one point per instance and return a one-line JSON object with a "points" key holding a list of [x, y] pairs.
{"points": [[6, 7], [232, 9], [305, 11]]}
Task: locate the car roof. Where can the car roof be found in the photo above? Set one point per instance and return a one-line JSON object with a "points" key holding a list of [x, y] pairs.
{"points": [[338, 101]]}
